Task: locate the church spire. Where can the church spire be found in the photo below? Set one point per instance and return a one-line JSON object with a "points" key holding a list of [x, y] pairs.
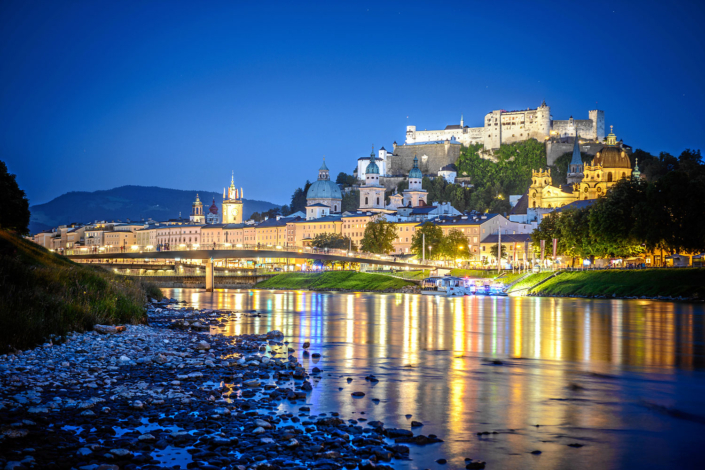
{"points": [[576, 159], [636, 174]]}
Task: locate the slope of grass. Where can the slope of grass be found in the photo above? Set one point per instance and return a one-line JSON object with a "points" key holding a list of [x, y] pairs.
{"points": [[346, 280], [530, 281], [43, 294], [648, 282], [421, 274], [481, 273], [510, 277]]}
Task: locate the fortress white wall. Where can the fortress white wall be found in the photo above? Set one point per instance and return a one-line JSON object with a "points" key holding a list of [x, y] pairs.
{"points": [[505, 127]]}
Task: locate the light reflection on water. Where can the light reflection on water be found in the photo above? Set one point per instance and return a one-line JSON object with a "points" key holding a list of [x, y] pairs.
{"points": [[600, 372]]}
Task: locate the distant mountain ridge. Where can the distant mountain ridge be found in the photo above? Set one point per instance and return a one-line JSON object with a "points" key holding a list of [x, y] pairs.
{"points": [[128, 202]]}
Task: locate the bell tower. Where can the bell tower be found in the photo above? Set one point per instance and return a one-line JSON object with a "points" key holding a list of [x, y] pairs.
{"points": [[232, 203], [197, 215]]}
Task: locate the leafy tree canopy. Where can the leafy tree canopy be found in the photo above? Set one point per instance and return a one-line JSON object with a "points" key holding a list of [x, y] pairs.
{"points": [[345, 179], [430, 237], [333, 240], [14, 206], [351, 201], [379, 237]]}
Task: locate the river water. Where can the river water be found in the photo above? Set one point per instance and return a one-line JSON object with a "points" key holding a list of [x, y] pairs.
{"points": [[625, 379]]}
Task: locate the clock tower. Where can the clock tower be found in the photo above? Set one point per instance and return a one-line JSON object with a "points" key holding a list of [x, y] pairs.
{"points": [[232, 204]]}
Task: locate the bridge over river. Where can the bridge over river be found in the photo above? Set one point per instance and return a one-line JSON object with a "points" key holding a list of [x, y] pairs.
{"points": [[126, 256]]}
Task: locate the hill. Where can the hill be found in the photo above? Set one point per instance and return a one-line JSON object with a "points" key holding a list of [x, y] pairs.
{"points": [[127, 202], [44, 294]]}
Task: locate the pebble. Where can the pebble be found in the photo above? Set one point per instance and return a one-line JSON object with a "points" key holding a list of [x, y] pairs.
{"points": [[118, 398]]}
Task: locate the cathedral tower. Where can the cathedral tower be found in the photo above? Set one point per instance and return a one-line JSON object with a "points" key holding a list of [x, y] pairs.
{"points": [[415, 194], [232, 204], [372, 193]]}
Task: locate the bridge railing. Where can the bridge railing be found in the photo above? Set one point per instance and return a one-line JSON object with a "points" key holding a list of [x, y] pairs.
{"points": [[186, 247]]}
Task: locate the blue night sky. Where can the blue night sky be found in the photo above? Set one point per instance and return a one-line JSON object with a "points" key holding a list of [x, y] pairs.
{"points": [[99, 94]]}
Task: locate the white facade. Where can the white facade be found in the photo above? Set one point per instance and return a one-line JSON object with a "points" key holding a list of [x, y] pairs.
{"points": [[503, 127], [381, 162], [316, 211], [448, 175], [178, 235]]}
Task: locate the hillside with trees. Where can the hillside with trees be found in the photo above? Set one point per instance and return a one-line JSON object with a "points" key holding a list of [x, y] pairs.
{"points": [[492, 181]]}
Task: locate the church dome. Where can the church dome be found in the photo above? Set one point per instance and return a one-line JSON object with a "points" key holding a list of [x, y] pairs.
{"points": [[213, 209], [323, 189], [612, 156]]}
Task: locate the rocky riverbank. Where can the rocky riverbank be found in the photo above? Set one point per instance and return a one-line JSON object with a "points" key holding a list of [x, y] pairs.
{"points": [[173, 395]]}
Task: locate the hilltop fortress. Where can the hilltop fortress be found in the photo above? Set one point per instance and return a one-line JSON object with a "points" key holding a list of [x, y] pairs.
{"points": [[438, 150], [506, 127]]}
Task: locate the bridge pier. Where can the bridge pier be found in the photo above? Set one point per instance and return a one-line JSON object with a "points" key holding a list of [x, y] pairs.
{"points": [[209, 275]]}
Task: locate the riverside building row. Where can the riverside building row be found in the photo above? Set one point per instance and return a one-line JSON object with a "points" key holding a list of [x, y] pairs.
{"points": [[407, 211]]}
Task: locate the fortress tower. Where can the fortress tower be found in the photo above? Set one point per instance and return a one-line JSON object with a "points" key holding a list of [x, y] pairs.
{"points": [[598, 124]]}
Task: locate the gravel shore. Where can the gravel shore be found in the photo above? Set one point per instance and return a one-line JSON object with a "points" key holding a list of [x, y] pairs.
{"points": [[173, 395]]}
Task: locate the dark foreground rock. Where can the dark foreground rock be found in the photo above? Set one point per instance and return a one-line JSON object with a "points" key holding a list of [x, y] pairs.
{"points": [[173, 395]]}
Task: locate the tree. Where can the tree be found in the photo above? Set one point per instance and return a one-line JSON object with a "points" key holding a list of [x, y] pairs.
{"points": [[379, 237], [334, 241], [345, 179], [500, 206], [433, 236], [495, 248], [508, 173], [561, 167], [271, 213], [547, 230], [350, 202], [298, 199], [455, 245], [14, 208]]}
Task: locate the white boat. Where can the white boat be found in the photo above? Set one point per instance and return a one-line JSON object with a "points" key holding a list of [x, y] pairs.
{"points": [[451, 286]]}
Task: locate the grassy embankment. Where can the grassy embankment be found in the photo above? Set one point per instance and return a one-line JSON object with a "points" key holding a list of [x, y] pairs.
{"points": [[682, 282], [507, 276], [43, 294], [529, 281], [333, 280]]}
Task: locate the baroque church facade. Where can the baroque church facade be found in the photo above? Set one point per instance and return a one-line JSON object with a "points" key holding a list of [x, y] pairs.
{"points": [[585, 181]]}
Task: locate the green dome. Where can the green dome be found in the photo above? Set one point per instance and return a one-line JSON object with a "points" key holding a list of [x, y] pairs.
{"points": [[323, 189], [372, 168], [415, 172]]}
